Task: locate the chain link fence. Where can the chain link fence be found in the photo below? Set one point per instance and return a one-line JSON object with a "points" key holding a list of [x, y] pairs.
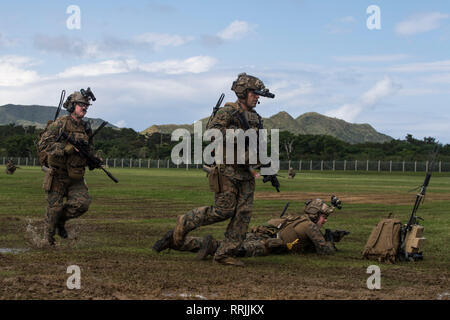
{"points": [[299, 165]]}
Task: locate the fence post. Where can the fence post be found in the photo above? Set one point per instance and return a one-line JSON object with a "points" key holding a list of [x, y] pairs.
{"points": [[187, 166], [345, 165], [426, 166], [130, 163], [440, 166], [148, 163], [300, 165], [122, 162], [334, 165], [356, 165], [415, 166], [18, 161], [115, 162], [310, 166], [379, 165], [167, 163], [321, 165], [289, 164], [34, 162], [3, 160], [26, 161], [367, 165], [390, 166], [403, 166], [158, 163], [139, 163]]}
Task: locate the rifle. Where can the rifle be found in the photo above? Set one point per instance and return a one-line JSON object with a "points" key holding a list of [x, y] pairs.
{"points": [[61, 100], [413, 219], [82, 147], [335, 235], [215, 109], [284, 210]]}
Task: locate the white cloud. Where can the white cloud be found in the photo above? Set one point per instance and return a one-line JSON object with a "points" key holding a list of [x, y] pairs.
{"points": [[160, 40], [196, 64], [367, 100], [120, 124], [13, 71], [423, 67], [234, 31], [443, 78], [100, 68], [420, 23], [372, 58]]}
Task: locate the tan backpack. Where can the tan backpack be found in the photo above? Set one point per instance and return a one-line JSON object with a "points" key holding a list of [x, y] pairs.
{"points": [[384, 241]]}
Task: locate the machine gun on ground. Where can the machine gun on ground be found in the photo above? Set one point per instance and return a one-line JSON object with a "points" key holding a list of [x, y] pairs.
{"points": [[411, 240]]}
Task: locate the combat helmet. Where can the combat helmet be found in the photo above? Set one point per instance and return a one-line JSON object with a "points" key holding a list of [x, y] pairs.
{"points": [[245, 82], [315, 208], [82, 96]]}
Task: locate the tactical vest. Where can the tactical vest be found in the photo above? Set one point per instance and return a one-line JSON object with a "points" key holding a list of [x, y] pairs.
{"points": [[75, 163], [72, 165]]}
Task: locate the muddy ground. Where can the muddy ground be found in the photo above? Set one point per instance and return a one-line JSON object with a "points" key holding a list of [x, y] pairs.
{"points": [[112, 246]]}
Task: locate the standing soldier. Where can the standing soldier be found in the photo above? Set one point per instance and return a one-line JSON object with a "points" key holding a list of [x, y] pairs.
{"points": [[64, 165], [10, 167], [233, 184]]}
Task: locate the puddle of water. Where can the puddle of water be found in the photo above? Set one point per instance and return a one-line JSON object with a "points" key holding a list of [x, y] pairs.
{"points": [[12, 250]]}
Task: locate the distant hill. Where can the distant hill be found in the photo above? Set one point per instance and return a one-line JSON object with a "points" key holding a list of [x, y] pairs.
{"points": [[308, 123], [35, 115]]}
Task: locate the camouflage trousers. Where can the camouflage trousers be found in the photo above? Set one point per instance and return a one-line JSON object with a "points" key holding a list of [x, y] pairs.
{"points": [[253, 245], [234, 203], [77, 203]]}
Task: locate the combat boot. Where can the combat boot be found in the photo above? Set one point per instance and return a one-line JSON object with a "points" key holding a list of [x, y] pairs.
{"points": [[230, 261], [61, 228], [166, 242], [179, 232], [50, 231], [208, 248]]}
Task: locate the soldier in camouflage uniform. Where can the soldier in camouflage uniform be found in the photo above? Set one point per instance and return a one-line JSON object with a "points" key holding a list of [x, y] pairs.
{"points": [[10, 167], [294, 234], [233, 184], [291, 173], [64, 166]]}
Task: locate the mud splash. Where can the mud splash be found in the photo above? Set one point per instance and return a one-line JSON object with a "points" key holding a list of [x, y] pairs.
{"points": [[35, 235]]}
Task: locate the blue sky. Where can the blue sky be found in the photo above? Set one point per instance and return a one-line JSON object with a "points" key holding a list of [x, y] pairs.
{"points": [[158, 62]]}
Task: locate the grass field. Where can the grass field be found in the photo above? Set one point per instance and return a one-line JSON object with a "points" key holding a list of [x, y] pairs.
{"points": [[112, 242]]}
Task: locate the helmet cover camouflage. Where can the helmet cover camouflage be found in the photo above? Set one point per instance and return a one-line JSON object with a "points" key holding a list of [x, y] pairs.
{"points": [[246, 82], [75, 98], [315, 208]]}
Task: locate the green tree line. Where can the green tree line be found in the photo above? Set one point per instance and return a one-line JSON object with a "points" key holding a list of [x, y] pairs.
{"points": [[18, 141]]}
